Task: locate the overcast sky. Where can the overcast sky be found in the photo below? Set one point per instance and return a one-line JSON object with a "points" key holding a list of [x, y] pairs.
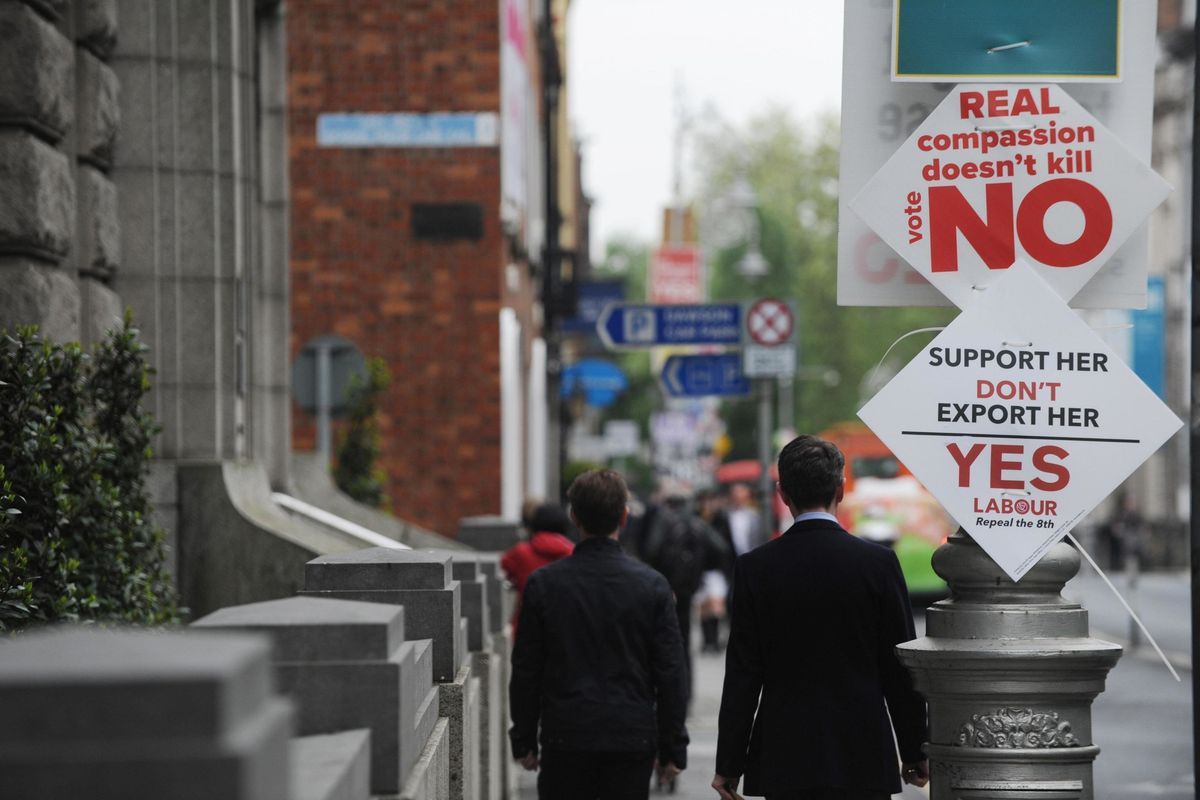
{"points": [[625, 58]]}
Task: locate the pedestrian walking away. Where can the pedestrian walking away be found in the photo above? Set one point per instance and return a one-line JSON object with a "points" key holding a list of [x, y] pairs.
{"points": [[597, 694], [815, 619], [547, 543]]}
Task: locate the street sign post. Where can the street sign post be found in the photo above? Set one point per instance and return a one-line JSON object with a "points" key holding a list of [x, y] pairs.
{"points": [[629, 326], [1019, 419], [1005, 171], [718, 375], [770, 350]]}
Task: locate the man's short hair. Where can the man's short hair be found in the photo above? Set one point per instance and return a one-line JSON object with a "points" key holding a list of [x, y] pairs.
{"points": [[811, 470], [598, 499]]}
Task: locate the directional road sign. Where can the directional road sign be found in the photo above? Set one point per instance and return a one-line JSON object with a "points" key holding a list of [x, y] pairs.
{"points": [[705, 376], [624, 326]]}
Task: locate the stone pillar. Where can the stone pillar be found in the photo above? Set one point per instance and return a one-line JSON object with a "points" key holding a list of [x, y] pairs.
{"points": [[110, 715], [186, 171], [421, 581], [348, 666], [37, 186], [97, 118], [1010, 674], [472, 570], [490, 534]]}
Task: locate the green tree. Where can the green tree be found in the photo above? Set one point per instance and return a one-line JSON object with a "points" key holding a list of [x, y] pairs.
{"points": [[793, 169], [357, 472], [77, 541]]}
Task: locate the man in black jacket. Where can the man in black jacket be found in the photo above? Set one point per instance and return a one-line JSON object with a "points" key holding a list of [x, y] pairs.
{"points": [[816, 617], [598, 663]]}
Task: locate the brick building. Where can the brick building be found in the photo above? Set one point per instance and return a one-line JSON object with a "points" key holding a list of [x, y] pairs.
{"points": [[417, 183]]}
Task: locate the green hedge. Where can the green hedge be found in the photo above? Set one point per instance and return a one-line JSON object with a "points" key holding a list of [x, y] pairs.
{"points": [[357, 471], [76, 538]]}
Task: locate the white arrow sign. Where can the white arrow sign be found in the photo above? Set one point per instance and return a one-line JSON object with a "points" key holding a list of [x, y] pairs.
{"points": [[1000, 172], [1019, 419]]}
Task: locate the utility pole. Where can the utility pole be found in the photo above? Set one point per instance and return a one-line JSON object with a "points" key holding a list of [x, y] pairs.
{"points": [[1194, 416], [552, 254]]}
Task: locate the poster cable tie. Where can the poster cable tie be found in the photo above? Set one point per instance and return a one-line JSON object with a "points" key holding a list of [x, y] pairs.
{"points": [[1132, 614]]}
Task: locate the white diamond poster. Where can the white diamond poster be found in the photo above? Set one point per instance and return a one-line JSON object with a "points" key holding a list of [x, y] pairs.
{"points": [[1019, 419], [1000, 172]]}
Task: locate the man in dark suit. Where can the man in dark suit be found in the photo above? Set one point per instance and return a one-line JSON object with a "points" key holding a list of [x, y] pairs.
{"points": [[816, 617], [598, 663]]}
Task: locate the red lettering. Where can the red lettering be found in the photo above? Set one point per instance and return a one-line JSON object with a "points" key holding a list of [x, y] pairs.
{"points": [[950, 213], [970, 104], [1031, 222], [997, 103], [1047, 108], [1000, 466], [1058, 470], [964, 461]]}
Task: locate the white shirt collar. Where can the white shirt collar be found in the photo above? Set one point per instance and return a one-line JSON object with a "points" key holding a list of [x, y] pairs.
{"points": [[825, 515]]}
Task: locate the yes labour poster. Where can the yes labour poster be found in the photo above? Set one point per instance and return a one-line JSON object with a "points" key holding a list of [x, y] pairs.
{"points": [[1019, 419]]}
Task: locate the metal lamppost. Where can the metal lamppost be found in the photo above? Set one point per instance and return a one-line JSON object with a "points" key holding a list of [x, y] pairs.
{"points": [[753, 266]]}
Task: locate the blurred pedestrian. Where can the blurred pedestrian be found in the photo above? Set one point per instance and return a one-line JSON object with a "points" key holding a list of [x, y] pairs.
{"points": [[715, 589], [810, 662], [548, 525], [597, 664], [747, 530]]}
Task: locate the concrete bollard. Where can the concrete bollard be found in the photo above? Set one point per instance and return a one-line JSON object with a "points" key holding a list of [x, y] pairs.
{"points": [[115, 714], [421, 582], [348, 666], [489, 534], [1010, 674]]}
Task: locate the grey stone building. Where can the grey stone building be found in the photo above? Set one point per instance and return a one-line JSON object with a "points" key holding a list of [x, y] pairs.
{"points": [[143, 164]]}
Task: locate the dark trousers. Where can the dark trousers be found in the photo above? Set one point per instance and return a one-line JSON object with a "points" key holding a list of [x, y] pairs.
{"points": [[831, 794], [582, 775], [683, 613]]}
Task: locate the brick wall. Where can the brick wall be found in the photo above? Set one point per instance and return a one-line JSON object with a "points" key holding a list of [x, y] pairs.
{"points": [[429, 308]]}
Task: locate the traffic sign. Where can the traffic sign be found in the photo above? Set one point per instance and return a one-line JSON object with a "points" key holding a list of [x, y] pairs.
{"points": [[599, 380], [624, 326], [718, 375], [878, 114], [1019, 419], [770, 322], [1005, 171]]}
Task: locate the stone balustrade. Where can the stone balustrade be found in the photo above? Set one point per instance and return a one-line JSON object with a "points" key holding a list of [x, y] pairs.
{"points": [[386, 677]]}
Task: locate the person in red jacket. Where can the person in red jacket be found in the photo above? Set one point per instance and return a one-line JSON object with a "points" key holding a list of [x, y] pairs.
{"points": [[547, 543]]}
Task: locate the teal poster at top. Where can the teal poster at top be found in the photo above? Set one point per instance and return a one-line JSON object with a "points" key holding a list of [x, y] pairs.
{"points": [[1064, 41]]}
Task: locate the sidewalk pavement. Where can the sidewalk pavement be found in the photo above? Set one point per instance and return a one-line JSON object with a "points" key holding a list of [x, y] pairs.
{"points": [[694, 783]]}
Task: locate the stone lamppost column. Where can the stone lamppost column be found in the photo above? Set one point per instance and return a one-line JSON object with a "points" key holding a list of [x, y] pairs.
{"points": [[1009, 672]]}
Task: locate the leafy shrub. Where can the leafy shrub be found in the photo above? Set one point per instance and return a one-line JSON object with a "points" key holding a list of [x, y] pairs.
{"points": [[357, 472], [76, 538]]}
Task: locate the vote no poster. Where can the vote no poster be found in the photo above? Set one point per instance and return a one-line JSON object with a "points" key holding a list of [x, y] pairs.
{"points": [[1019, 419], [1000, 172]]}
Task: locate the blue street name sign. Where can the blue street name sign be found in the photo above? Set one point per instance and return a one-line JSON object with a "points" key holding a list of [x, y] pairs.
{"points": [[449, 129], [634, 326], [717, 375]]}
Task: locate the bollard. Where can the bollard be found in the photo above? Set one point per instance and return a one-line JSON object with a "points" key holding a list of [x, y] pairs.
{"points": [[1010, 673]]}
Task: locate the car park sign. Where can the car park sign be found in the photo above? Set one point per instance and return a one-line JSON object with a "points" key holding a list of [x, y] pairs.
{"points": [[1005, 171], [1019, 419], [626, 326]]}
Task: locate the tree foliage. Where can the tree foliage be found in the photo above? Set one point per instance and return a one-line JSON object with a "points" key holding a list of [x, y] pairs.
{"points": [[77, 541], [793, 169], [357, 472]]}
